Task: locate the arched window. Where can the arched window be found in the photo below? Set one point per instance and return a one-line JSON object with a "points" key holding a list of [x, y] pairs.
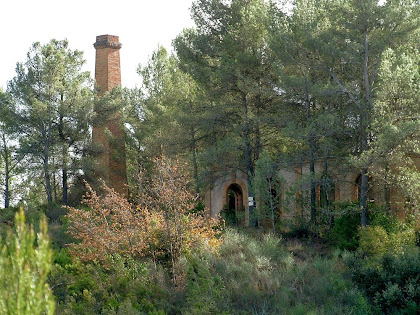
{"points": [[327, 190], [358, 185]]}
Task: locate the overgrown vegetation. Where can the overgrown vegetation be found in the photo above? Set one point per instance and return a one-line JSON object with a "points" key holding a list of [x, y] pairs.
{"points": [[249, 272], [163, 227], [323, 88], [256, 275], [25, 263]]}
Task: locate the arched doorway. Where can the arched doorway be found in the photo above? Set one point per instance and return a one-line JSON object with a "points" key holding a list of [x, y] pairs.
{"points": [[233, 212]]}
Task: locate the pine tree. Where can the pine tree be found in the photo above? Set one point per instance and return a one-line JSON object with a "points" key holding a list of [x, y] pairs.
{"points": [[227, 55], [267, 188], [25, 262], [10, 160], [54, 106], [347, 41]]}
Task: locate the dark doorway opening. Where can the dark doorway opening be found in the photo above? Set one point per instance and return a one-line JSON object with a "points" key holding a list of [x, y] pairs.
{"points": [[234, 211]]}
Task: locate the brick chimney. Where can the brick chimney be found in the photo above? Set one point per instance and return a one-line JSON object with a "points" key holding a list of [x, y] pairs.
{"points": [[109, 136]]}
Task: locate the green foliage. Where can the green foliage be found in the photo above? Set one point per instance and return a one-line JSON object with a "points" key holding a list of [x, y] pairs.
{"points": [[54, 112], [386, 265], [125, 287], [375, 241], [267, 189], [392, 284], [25, 262], [10, 159], [53, 211], [258, 275], [344, 231], [398, 97], [7, 216], [62, 257], [387, 233], [228, 56], [254, 274], [206, 292]]}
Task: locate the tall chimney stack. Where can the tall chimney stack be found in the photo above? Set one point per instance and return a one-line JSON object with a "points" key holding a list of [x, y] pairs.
{"points": [[109, 135]]}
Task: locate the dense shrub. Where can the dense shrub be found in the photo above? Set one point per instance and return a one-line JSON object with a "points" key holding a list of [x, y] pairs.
{"points": [[385, 231], [206, 292], [54, 211], [375, 241], [160, 227], [126, 287], [344, 231], [392, 283], [386, 265], [259, 276], [7, 216], [248, 275]]}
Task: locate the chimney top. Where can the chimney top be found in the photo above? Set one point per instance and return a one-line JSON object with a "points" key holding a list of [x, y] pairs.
{"points": [[107, 41]]}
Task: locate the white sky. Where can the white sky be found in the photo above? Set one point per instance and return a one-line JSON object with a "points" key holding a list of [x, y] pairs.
{"points": [[140, 24]]}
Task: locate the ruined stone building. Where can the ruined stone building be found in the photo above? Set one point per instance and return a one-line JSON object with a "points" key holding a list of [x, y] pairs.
{"points": [[231, 190]]}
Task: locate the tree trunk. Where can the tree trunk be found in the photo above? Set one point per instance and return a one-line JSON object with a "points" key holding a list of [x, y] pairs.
{"points": [[387, 193], [311, 144], [364, 212], [6, 184], [6, 157], [247, 138], [64, 172], [248, 154], [327, 187], [46, 161], [48, 182], [194, 158], [258, 146], [363, 199], [365, 122], [270, 194], [54, 186], [65, 187], [313, 186], [64, 153]]}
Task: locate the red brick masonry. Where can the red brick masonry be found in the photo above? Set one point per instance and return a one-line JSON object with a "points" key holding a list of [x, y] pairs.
{"points": [[112, 161]]}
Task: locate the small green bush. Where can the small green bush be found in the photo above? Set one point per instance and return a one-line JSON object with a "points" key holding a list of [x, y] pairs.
{"points": [[54, 211], [344, 231], [374, 241], [206, 292], [62, 257], [7, 215]]}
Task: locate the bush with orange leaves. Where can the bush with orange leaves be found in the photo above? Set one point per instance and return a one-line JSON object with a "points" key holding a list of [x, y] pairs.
{"points": [[161, 227]]}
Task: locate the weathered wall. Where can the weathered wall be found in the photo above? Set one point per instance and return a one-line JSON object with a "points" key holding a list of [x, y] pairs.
{"points": [[295, 187], [216, 197]]}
